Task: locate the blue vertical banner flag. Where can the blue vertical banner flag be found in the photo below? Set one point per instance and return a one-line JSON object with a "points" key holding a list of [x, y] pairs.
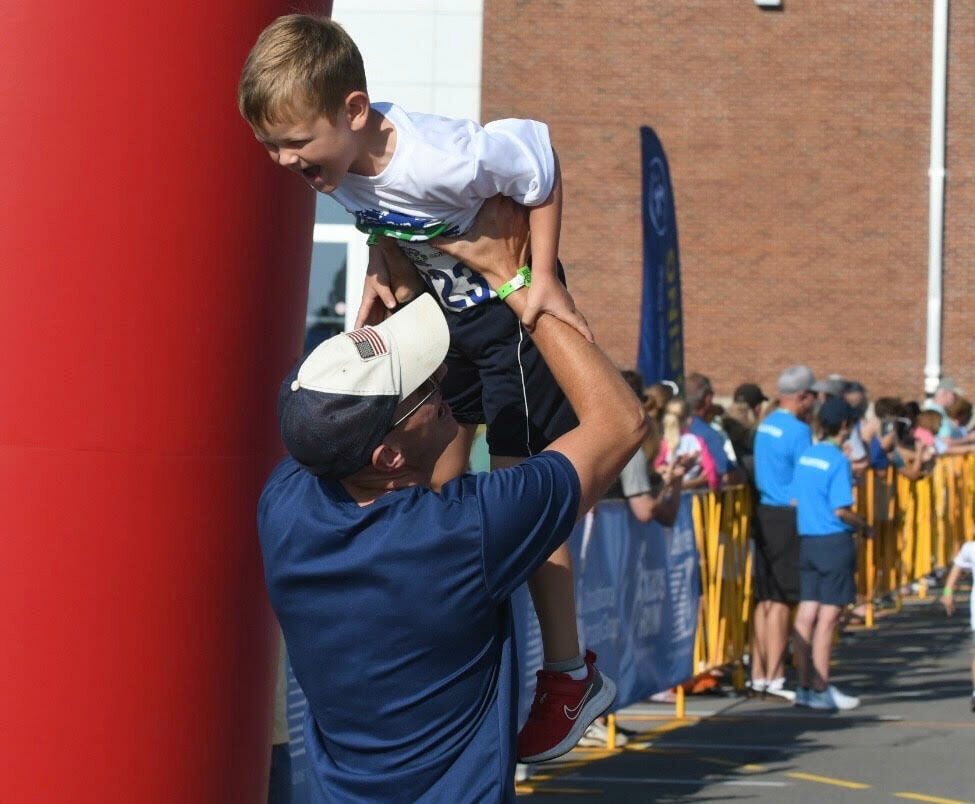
{"points": [[661, 350]]}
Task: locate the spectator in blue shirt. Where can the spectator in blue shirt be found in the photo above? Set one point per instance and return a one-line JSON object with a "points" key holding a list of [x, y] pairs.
{"points": [[823, 488], [700, 395], [781, 438]]}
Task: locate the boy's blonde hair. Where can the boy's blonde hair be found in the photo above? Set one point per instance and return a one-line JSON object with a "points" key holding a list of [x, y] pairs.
{"points": [[299, 62]]}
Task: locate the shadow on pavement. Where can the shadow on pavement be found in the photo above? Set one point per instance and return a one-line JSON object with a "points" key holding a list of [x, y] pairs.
{"points": [[742, 748]]}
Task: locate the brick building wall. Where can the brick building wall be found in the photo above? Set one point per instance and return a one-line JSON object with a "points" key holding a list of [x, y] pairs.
{"points": [[798, 143]]}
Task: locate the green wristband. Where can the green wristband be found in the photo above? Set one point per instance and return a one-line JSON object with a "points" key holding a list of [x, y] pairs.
{"points": [[947, 591], [522, 279]]}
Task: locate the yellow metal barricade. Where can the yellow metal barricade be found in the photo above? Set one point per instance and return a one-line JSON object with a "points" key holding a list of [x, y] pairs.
{"points": [[721, 525], [917, 525]]}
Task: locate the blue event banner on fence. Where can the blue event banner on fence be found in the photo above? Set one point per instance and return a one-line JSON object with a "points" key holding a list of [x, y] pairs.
{"points": [[637, 592]]}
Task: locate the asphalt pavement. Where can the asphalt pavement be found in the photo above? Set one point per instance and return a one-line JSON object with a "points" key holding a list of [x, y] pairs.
{"points": [[912, 738]]}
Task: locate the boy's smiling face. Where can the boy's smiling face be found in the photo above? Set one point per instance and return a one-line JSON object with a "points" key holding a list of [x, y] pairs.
{"points": [[312, 146]]}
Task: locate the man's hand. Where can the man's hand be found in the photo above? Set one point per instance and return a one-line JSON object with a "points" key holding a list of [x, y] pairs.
{"points": [[497, 245], [552, 297]]}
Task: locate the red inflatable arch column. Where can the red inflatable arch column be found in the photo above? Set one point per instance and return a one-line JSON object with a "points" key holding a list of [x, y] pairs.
{"points": [[153, 272]]}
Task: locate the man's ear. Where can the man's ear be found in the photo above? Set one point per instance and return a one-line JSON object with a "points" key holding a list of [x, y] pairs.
{"points": [[357, 109], [387, 459]]}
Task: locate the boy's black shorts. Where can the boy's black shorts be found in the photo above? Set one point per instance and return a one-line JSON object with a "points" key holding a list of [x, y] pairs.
{"points": [[496, 376], [776, 567]]}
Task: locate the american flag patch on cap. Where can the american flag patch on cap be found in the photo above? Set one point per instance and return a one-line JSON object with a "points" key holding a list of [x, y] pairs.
{"points": [[368, 342]]}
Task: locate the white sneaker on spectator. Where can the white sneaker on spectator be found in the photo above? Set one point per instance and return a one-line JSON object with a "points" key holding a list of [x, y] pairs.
{"points": [[597, 735], [842, 700], [757, 685], [831, 699], [777, 688], [820, 699]]}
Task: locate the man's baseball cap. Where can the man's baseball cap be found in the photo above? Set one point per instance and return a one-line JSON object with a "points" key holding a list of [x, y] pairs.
{"points": [[834, 411], [339, 402], [749, 393], [796, 380]]}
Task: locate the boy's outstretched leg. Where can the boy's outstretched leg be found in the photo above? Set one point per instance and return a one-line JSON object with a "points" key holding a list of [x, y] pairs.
{"points": [[570, 692], [552, 588]]}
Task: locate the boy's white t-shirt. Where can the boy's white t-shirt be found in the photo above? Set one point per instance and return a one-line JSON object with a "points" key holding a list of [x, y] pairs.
{"points": [[441, 172], [966, 561]]}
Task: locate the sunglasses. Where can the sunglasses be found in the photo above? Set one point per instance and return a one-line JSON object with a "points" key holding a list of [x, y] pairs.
{"points": [[434, 388]]}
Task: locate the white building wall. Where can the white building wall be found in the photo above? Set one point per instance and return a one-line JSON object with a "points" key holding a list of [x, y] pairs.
{"points": [[424, 55]]}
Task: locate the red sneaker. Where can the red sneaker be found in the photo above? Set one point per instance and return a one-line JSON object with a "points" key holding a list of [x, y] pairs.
{"points": [[562, 711]]}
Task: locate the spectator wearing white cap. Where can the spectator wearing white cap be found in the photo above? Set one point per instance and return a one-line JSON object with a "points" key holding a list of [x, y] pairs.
{"points": [[781, 438], [943, 397]]}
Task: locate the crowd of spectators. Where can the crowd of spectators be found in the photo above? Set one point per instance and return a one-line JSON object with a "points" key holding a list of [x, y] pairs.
{"points": [[695, 443], [714, 441]]}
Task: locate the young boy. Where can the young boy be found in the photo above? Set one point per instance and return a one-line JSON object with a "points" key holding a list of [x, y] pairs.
{"points": [[823, 492], [964, 562], [409, 178]]}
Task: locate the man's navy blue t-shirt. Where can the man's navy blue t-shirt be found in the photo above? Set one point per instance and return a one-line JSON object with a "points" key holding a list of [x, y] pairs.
{"points": [[398, 623]]}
